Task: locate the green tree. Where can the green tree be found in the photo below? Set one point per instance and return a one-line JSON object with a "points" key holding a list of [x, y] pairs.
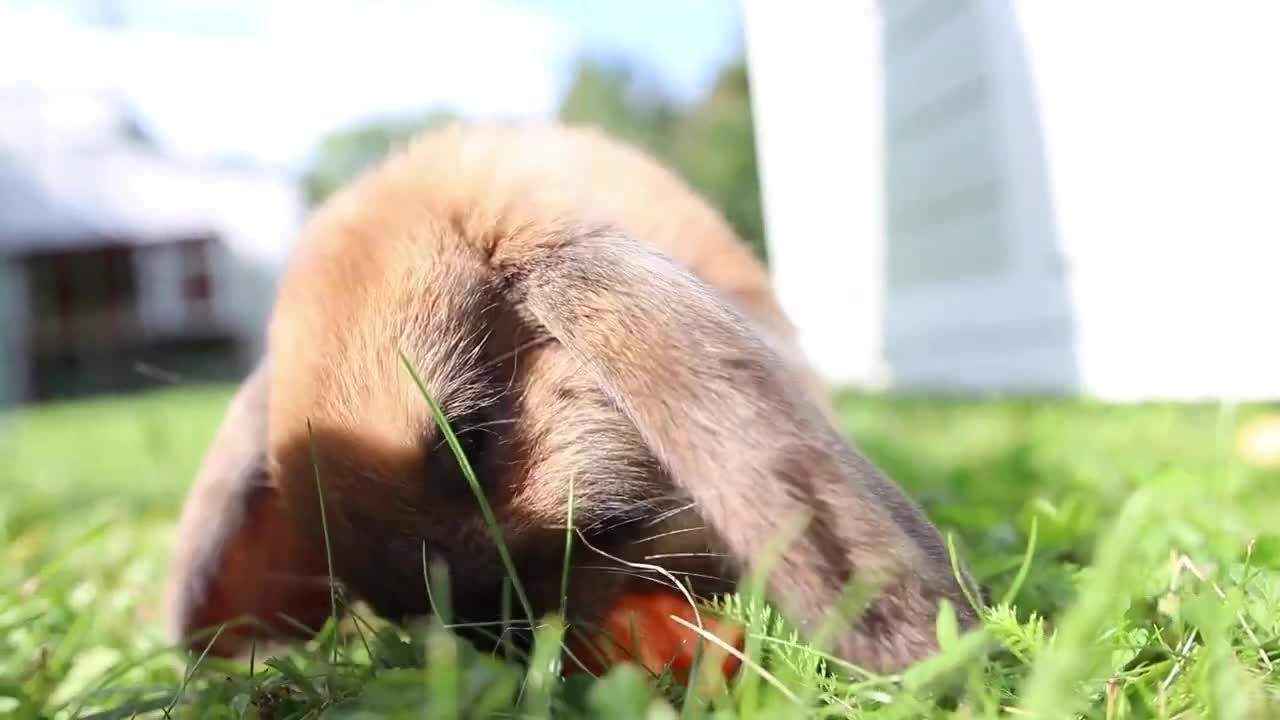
{"points": [[344, 154], [714, 149], [710, 144], [611, 96]]}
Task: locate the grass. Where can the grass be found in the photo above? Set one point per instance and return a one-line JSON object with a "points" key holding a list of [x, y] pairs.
{"points": [[1131, 559]]}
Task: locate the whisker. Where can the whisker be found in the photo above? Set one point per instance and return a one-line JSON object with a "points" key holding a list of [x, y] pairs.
{"points": [[478, 347], [514, 355], [630, 515], [668, 533], [491, 423], [639, 576], [644, 566], [616, 518], [515, 352], [470, 340], [659, 556], [622, 571], [490, 399], [672, 513], [515, 372], [482, 427], [655, 580]]}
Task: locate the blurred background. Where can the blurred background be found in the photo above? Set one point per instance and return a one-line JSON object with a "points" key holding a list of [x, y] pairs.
{"points": [[1033, 244], [957, 196], [157, 158]]}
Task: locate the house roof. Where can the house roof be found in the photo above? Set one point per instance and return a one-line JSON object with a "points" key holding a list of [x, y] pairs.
{"points": [[73, 174], [65, 199]]}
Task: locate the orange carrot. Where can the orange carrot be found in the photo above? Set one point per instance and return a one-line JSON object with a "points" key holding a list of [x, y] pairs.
{"points": [[639, 629]]}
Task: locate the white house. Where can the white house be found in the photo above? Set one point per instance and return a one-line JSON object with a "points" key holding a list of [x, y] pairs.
{"points": [[114, 253], [1021, 195]]}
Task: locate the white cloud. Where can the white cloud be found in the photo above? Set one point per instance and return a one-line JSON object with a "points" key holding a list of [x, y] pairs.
{"points": [[294, 70]]}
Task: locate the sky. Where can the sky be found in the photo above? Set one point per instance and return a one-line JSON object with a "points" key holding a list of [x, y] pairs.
{"points": [[263, 80]]}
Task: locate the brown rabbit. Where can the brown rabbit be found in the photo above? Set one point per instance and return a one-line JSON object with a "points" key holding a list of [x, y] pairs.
{"points": [[581, 317]]}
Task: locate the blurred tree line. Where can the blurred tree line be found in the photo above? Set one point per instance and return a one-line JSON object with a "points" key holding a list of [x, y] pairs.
{"points": [[710, 143]]}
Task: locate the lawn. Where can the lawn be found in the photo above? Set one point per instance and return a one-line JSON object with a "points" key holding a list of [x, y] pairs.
{"points": [[1131, 562]]}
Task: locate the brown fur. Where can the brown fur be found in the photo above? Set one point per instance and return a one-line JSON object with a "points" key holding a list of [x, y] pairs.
{"points": [[238, 554], [580, 315]]}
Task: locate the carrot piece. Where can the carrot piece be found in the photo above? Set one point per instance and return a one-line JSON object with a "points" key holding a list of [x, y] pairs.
{"points": [[639, 629]]}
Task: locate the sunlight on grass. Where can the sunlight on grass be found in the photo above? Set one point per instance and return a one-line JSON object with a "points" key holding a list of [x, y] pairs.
{"points": [[1151, 589]]}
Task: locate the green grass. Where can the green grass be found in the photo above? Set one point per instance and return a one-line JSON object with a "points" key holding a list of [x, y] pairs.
{"points": [[1152, 588]]}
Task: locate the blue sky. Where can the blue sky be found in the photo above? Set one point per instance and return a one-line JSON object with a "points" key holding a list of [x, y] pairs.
{"points": [[263, 79]]}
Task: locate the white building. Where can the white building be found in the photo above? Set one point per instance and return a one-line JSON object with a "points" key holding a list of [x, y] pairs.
{"points": [[1010, 195], [114, 253]]}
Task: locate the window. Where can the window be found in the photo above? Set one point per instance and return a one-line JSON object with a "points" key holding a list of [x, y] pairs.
{"points": [[197, 278], [82, 297]]}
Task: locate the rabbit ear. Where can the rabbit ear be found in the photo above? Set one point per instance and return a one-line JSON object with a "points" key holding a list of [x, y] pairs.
{"points": [[238, 554], [733, 426]]}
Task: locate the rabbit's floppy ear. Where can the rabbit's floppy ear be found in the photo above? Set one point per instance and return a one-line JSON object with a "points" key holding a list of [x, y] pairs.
{"points": [[732, 425], [238, 555]]}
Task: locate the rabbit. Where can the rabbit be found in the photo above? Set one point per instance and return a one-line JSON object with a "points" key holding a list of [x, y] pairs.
{"points": [[583, 319]]}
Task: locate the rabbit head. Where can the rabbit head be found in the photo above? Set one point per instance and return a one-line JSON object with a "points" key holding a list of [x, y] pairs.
{"points": [[586, 325]]}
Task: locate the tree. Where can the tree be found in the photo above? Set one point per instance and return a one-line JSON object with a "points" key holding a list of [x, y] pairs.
{"points": [[611, 96], [344, 154], [714, 149], [711, 144]]}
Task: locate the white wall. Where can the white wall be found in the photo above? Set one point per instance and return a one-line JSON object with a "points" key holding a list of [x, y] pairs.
{"points": [[158, 270], [820, 175], [1078, 196], [259, 220], [1164, 143], [975, 299], [256, 218]]}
